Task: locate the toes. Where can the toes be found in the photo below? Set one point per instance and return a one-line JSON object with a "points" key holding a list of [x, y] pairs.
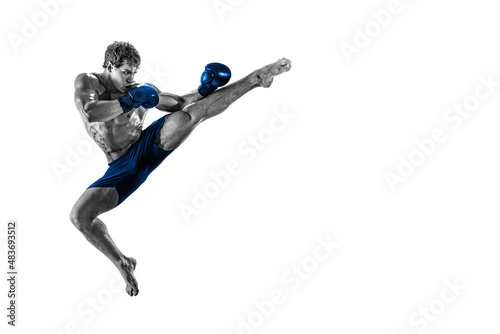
{"points": [[285, 62], [284, 65], [132, 290], [288, 65]]}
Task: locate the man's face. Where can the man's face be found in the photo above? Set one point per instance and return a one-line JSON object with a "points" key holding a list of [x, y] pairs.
{"points": [[123, 76]]}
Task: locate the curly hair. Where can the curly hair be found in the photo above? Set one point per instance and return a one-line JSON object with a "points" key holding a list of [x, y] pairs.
{"points": [[119, 52]]}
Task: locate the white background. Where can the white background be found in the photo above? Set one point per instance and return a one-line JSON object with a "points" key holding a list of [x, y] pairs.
{"points": [[322, 176]]}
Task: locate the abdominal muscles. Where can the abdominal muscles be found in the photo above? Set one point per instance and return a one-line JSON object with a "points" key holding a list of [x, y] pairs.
{"points": [[113, 136]]}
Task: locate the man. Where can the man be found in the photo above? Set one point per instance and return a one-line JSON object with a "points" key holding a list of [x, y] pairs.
{"points": [[113, 107]]}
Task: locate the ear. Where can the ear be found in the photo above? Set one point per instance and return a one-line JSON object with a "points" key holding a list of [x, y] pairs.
{"points": [[110, 67]]}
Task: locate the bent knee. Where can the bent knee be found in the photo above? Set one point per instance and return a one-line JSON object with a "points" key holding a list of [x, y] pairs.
{"points": [[75, 219], [78, 219]]}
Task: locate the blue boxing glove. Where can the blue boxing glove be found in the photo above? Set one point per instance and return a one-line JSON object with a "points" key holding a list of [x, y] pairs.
{"points": [[215, 75], [142, 95]]}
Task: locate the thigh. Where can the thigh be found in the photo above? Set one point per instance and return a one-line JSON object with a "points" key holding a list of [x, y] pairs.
{"points": [[177, 127], [95, 201]]}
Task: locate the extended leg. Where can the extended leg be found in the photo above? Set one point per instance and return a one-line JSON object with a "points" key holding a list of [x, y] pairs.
{"points": [[180, 124], [92, 203], [222, 98]]}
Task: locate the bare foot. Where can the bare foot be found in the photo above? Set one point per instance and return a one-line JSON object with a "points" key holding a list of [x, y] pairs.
{"points": [[126, 268], [266, 74]]}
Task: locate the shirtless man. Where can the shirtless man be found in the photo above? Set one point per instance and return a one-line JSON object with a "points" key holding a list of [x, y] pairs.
{"points": [[113, 107]]}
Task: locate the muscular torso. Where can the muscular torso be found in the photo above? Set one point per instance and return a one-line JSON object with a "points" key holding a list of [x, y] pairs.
{"points": [[115, 136]]}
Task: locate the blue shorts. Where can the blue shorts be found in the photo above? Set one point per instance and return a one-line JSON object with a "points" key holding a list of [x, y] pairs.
{"points": [[130, 170]]}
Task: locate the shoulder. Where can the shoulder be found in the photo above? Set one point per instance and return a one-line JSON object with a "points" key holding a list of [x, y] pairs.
{"points": [[86, 81]]}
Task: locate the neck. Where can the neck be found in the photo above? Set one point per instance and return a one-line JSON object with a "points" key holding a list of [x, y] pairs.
{"points": [[106, 81]]}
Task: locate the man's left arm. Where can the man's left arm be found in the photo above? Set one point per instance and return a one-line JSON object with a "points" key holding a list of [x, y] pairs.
{"points": [[171, 102], [214, 76]]}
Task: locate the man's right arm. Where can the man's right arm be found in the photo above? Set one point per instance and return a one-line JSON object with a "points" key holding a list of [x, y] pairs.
{"points": [[88, 103]]}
